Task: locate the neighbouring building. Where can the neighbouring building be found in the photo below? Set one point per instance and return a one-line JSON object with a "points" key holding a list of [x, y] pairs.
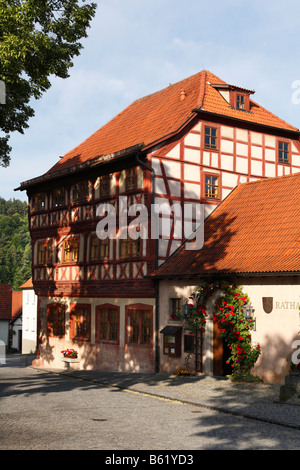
{"points": [[15, 324], [29, 318], [5, 311], [251, 240], [188, 144], [10, 317]]}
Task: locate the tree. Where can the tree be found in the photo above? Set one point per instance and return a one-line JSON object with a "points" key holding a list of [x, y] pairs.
{"points": [[38, 39], [15, 245]]}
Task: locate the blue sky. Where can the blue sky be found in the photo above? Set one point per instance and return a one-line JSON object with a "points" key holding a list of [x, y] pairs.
{"points": [[136, 47]]}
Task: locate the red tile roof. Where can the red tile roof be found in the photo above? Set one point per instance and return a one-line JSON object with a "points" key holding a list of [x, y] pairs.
{"points": [[162, 114], [28, 284], [256, 229], [16, 304], [5, 301]]}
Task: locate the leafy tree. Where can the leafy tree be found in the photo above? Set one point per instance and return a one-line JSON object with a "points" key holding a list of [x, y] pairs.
{"points": [[15, 245], [38, 39]]}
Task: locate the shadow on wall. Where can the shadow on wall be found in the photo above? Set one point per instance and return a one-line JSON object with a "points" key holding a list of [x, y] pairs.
{"points": [[274, 362]]}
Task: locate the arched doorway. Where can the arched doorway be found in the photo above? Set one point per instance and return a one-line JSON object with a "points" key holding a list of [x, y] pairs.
{"points": [[221, 353]]}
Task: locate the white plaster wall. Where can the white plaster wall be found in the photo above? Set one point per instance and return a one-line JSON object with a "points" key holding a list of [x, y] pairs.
{"points": [[29, 321], [4, 326], [51, 347], [275, 332]]}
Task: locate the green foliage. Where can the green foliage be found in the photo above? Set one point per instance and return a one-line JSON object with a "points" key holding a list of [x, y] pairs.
{"points": [[245, 377], [235, 329], [38, 39], [15, 245], [233, 326]]}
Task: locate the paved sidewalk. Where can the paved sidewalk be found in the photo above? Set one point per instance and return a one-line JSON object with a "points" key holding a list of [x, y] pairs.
{"points": [[255, 401]]}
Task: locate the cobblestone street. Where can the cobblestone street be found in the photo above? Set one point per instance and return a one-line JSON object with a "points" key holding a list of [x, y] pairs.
{"points": [[42, 410]]}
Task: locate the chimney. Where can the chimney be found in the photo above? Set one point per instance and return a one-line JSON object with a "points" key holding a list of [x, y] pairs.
{"points": [[182, 95]]}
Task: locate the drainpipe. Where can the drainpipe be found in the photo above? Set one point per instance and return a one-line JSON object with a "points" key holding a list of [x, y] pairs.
{"points": [[157, 355]]}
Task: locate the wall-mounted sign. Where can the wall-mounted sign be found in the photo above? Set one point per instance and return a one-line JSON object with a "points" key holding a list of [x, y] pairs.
{"points": [[267, 303]]}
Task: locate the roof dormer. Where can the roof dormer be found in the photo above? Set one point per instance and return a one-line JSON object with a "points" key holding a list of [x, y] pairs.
{"points": [[237, 97]]}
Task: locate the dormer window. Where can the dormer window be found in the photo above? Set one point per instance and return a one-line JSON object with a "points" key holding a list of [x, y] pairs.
{"points": [[240, 102], [238, 98]]}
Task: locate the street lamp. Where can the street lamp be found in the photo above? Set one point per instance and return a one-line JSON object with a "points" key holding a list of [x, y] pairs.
{"points": [[186, 309], [248, 311]]}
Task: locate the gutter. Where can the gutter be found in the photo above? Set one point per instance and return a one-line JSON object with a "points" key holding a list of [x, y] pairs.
{"points": [[224, 274], [80, 167]]}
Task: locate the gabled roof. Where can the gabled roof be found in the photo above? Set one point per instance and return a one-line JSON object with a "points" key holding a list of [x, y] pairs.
{"points": [[27, 285], [16, 310], [161, 115], [256, 229]]}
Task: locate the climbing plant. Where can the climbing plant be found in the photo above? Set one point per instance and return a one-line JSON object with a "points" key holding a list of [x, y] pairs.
{"points": [[231, 321]]}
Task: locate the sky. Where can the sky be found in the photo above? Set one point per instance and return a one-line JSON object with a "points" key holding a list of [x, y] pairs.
{"points": [[137, 47]]}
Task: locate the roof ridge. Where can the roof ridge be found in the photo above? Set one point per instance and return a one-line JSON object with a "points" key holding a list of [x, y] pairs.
{"points": [[202, 88]]}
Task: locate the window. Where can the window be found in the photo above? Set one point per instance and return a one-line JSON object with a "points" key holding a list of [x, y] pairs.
{"points": [[136, 248], [283, 152], [140, 326], [45, 252], [99, 249], [104, 185], [240, 102], [131, 179], [80, 191], [130, 248], [80, 322], [210, 138], [71, 250], [107, 323], [175, 308], [38, 202], [56, 320], [58, 197], [211, 187]]}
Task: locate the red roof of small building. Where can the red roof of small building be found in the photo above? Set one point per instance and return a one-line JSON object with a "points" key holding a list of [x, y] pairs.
{"points": [[16, 310], [256, 229], [5, 301], [27, 285], [162, 114]]}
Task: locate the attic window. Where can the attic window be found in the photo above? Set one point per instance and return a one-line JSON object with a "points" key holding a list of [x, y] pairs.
{"points": [[240, 102]]}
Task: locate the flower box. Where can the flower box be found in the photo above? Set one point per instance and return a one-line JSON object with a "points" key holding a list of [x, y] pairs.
{"points": [[70, 353]]}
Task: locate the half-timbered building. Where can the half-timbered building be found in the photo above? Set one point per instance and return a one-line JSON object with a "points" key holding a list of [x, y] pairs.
{"points": [[186, 146]]}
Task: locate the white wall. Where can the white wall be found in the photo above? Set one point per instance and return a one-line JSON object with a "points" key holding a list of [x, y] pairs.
{"points": [[275, 331], [29, 320]]}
